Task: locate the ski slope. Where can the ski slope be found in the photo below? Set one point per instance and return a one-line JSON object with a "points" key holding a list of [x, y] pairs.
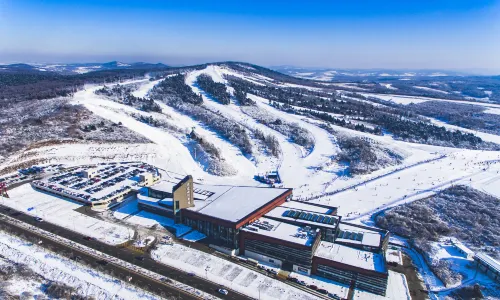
{"points": [[311, 175], [296, 169], [176, 157], [459, 167]]}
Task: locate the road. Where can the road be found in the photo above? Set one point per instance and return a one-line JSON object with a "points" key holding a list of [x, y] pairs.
{"points": [[129, 256]]}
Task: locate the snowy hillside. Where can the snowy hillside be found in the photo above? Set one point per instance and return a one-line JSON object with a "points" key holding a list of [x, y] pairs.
{"points": [[325, 156]]}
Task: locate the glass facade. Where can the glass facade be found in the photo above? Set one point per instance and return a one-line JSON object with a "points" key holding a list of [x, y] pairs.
{"points": [[300, 257], [159, 194], [217, 234], [372, 284]]}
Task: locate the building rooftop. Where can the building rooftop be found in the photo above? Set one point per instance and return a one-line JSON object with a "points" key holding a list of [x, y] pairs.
{"points": [[462, 247], [305, 217], [357, 235], [282, 231], [488, 260], [230, 203], [153, 202], [309, 207], [351, 256]]}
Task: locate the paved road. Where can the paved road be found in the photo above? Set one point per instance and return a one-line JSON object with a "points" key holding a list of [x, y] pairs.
{"points": [[129, 256]]}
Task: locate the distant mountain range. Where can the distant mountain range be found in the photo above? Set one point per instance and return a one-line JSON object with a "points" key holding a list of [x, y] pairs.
{"points": [[325, 74], [77, 68]]}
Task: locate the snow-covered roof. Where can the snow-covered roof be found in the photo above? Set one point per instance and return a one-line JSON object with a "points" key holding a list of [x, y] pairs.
{"points": [[308, 207], [351, 256], [233, 203], [283, 213], [463, 248], [230, 203], [488, 260], [153, 202], [164, 185], [282, 231], [357, 235]]}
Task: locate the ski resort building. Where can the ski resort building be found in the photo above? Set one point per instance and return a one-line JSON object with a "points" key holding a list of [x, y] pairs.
{"points": [[264, 224], [218, 211]]}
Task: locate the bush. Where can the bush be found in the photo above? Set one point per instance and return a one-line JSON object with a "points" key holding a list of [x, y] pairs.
{"points": [[465, 213], [216, 90]]}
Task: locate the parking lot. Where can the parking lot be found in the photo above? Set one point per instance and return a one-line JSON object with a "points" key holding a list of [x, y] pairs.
{"points": [[107, 182]]}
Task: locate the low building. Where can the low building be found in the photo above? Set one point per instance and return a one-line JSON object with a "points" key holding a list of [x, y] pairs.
{"points": [[148, 178], [89, 173], [488, 265], [462, 249], [361, 269], [362, 237], [289, 247]]}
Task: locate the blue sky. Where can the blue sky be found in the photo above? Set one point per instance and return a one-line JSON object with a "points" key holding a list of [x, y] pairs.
{"points": [[437, 34]]}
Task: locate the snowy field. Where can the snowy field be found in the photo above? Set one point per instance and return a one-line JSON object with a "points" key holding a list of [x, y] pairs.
{"points": [[88, 153], [53, 267], [61, 212], [131, 214], [460, 167], [226, 273], [401, 99]]}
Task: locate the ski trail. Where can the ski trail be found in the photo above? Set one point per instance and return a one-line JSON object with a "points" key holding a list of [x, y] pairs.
{"points": [[299, 172], [175, 156]]}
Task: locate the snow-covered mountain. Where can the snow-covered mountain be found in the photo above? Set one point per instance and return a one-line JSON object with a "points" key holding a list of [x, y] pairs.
{"points": [[77, 68], [234, 122]]}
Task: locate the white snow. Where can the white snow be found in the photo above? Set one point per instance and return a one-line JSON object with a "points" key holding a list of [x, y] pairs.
{"points": [[394, 256], [430, 89], [409, 184], [351, 256], [397, 289], [61, 212], [401, 99], [144, 89], [281, 231], [131, 214], [226, 273], [53, 267], [174, 155], [388, 86]]}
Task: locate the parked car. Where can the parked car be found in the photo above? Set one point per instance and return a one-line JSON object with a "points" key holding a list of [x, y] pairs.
{"points": [[312, 287], [38, 219], [334, 296], [223, 291], [191, 274], [302, 282], [139, 258], [323, 291], [102, 262]]}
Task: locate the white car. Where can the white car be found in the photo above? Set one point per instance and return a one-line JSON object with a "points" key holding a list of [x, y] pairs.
{"points": [[223, 291]]}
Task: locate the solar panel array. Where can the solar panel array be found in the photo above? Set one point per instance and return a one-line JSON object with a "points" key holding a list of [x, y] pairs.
{"points": [[350, 235], [307, 216], [203, 192]]}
